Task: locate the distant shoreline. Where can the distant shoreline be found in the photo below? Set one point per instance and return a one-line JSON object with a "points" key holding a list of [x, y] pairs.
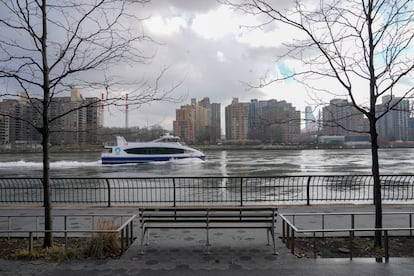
{"points": [[275, 147], [53, 149], [100, 148], [297, 147]]}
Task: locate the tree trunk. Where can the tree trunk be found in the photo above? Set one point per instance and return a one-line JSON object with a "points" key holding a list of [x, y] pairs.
{"points": [[48, 241], [373, 126], [377, 186]]}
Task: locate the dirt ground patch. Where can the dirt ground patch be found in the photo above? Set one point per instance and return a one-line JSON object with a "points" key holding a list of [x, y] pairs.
{"points": [[339, 247], [79, 248], [328, 247]]}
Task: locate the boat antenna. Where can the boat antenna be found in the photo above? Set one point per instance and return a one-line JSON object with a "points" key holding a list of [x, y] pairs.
{"points": [[126, 110]]}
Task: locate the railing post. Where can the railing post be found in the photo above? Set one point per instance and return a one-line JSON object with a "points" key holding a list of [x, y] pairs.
{"points": [[123, 239], [352, 221], [386, 247], [8, 227], [241, 191], [131, 234], [308, 191], [175, 193], [66, 233], [109, 191], [411, 224], [30, 243], [127, 237], [351, 236], [323, 225], [37, 226], [288, 236]]}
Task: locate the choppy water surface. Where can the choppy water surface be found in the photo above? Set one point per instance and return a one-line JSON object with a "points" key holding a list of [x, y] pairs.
{"points": [[218, 163]]}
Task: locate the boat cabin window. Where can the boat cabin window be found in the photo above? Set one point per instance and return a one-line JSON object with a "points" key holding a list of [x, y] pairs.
{"points": [[171, 140], [154, 151]]}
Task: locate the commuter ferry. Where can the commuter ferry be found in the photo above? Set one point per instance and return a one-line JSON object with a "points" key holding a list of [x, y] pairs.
{"points": [[165, 148]]}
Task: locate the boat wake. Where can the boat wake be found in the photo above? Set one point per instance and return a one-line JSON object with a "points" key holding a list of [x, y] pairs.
{"points": [[54, 165], [187, 161], [184, 161]]}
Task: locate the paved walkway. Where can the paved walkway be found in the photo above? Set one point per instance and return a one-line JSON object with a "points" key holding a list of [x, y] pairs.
{"points": [[233, 252]]}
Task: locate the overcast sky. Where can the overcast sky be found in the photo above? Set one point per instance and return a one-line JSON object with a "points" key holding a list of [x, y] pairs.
{"points": [[209, 49], [205, 45]]}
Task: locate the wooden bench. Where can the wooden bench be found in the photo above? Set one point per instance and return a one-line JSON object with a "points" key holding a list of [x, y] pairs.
{"points": [[209, 218]]}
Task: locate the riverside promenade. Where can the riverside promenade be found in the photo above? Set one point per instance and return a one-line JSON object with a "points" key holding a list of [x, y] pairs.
{"points": [[233, 251]]}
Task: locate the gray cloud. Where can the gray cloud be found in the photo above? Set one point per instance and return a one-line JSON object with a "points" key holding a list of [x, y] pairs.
{"points": [[194, 61], [182, 5], [212, 68]]}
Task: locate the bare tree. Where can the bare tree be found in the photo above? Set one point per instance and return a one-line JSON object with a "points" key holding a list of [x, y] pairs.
{"points": [[48, 47], [364, 49]]}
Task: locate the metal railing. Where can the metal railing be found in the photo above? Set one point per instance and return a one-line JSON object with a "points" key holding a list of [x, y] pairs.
{"points": [[29, 226], [291, 229], [176, 191]]}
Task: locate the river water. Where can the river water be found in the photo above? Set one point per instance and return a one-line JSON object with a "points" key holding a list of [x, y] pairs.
{"points": [[217, 163]]}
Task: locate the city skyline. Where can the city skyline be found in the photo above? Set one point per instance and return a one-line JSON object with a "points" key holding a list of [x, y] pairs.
{"points": [[209, 49], [199, 121]]}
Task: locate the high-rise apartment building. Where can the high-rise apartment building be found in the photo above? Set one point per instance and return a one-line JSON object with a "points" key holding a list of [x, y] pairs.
{"points": [[94, 119], [341, 118], [69, 129], [80, 125], [256, 126], [216, 122], [273, 121], [7, 133], [196, 122], [394, 125], [20, 131], [184, 124], [77, 120], [4, 129], [214, 119], [237, 121], [201, 124], [310, 121], [283, 122]]}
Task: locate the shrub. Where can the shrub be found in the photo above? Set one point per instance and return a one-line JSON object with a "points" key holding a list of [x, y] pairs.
{"points": [[52, 254], [106, 244]]}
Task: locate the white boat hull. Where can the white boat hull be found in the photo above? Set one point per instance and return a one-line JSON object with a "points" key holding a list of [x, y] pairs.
{"points": [[110, 160], [164, 149]]}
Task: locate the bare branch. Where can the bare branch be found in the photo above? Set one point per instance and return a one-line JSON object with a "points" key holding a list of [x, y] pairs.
{"points": [[46, 48], [366, 46]]}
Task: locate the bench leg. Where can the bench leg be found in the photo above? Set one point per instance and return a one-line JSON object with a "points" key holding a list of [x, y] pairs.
{"points": [[272, 232], [148, 236], [267, 235], [143, 231], [207, 242]]}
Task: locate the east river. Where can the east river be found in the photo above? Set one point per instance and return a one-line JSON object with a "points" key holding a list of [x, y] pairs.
{"points": [[217, 163]]}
